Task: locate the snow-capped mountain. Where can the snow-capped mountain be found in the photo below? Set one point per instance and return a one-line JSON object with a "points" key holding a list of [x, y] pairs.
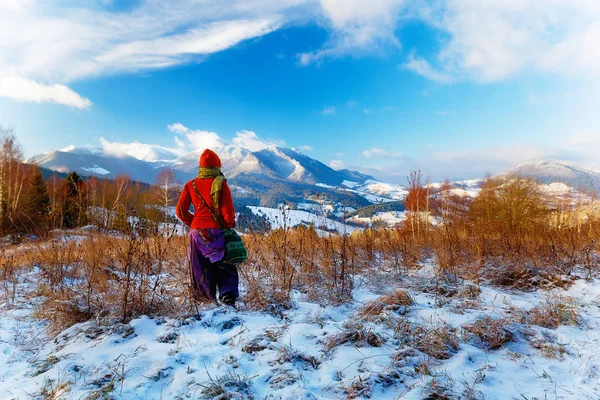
{"points": [[89, 163], [553, 171], [231, 156], [142, 162], [140, 151]]}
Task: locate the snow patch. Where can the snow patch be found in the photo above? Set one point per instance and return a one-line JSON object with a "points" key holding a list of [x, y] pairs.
{"points": [[96, 170]]}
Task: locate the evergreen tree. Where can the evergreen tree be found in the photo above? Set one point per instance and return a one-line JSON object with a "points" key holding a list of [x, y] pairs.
{"points": [[37, 200], [71, 205]]}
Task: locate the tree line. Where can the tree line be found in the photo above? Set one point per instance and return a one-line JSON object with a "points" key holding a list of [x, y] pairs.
{"points": [[30, 204]]}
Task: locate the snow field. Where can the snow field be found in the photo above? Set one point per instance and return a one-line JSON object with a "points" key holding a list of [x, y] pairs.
{"points": [[315, 351]]}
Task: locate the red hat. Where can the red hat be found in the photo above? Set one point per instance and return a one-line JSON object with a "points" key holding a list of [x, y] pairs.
{"points": [[210, 159]]}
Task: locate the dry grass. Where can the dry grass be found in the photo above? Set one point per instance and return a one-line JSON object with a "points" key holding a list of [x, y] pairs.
{"points": [[439, 342], [489, 333], [494, 239], [111, 278], [358, 388], [555, 311], [545, 342], [398, 301], [357, 334], [287, 354], [228, 386]]}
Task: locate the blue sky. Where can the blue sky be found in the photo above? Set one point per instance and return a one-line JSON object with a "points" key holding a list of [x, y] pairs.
{"points": [[456, 88]]}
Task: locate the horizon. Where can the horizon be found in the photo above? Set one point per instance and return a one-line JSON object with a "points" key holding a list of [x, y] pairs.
{"points": [[114, 152], [455, 89]]}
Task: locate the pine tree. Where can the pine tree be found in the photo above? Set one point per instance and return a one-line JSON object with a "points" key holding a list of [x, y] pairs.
{"points": [[37, 199], [71, 205]]}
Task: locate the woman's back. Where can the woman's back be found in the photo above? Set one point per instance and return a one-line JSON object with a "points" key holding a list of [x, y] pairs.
{"points": [[202, 217]]}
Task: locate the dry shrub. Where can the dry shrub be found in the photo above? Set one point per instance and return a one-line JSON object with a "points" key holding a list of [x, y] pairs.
{"points": [[467, 304], [257, 344], [439, 388], [503, 272], [357, 388], [490, 333], [287, 354], [356, 334], [57, 260], [9, 276], [469, 291], [439, 342], [397, 301], [113, 278], [545, 342], [555, 311], [228, 386], [405, 357], [288, 259], [550, 350]]}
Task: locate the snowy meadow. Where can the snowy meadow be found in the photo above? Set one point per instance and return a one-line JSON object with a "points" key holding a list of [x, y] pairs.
{"points": [[492, 293], [467, 308]]}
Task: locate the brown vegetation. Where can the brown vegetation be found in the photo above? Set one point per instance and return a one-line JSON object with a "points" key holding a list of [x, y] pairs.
{"points": [[129, 262]]}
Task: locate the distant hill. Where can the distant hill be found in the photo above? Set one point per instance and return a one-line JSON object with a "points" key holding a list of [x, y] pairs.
{"points": [[552, 171]]}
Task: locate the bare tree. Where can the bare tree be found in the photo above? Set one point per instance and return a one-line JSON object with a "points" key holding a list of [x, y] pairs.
{"points": [[12, 176], [166, 190]]}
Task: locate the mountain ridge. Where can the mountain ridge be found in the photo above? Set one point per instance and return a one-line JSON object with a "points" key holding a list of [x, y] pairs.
{"points": [[549, 171], [145, 164]]}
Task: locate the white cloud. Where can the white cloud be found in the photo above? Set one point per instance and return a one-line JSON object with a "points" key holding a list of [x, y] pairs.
{"points": [[356, 26], [53, 43], [196, 139], [180, 143], [337, 164], [580, 148], [180, 48], [250, 140], [306, 148], [39, 42], [328, 110], [584, 139], [495, 39], [26, 90], [204, 139], [179, 128], [62, 42], [422, 67], [351, 103], [16, 5], [141, 151], [381, 153]]}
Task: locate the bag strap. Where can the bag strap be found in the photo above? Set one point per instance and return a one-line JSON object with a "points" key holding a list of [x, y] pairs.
{"points": [[206, 204]]}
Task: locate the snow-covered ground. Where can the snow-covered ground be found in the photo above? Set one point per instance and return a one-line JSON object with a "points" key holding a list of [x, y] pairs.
{"points": [[96, 170], [311, 351], [373, 191], [391, 218], [282, 217], [326, 209], [382, 189]]}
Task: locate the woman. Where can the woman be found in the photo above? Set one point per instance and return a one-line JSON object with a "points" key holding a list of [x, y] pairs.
{"points": [[213, 211]]}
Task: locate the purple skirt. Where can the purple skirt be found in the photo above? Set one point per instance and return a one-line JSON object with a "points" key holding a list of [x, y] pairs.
{"points": [[210, 242], [210, 273]]}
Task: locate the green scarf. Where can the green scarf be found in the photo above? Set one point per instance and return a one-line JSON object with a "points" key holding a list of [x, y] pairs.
{"points": [[217, 185]]}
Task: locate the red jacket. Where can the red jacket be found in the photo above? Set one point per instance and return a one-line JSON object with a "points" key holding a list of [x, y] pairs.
{"points": [[202, 218]]}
